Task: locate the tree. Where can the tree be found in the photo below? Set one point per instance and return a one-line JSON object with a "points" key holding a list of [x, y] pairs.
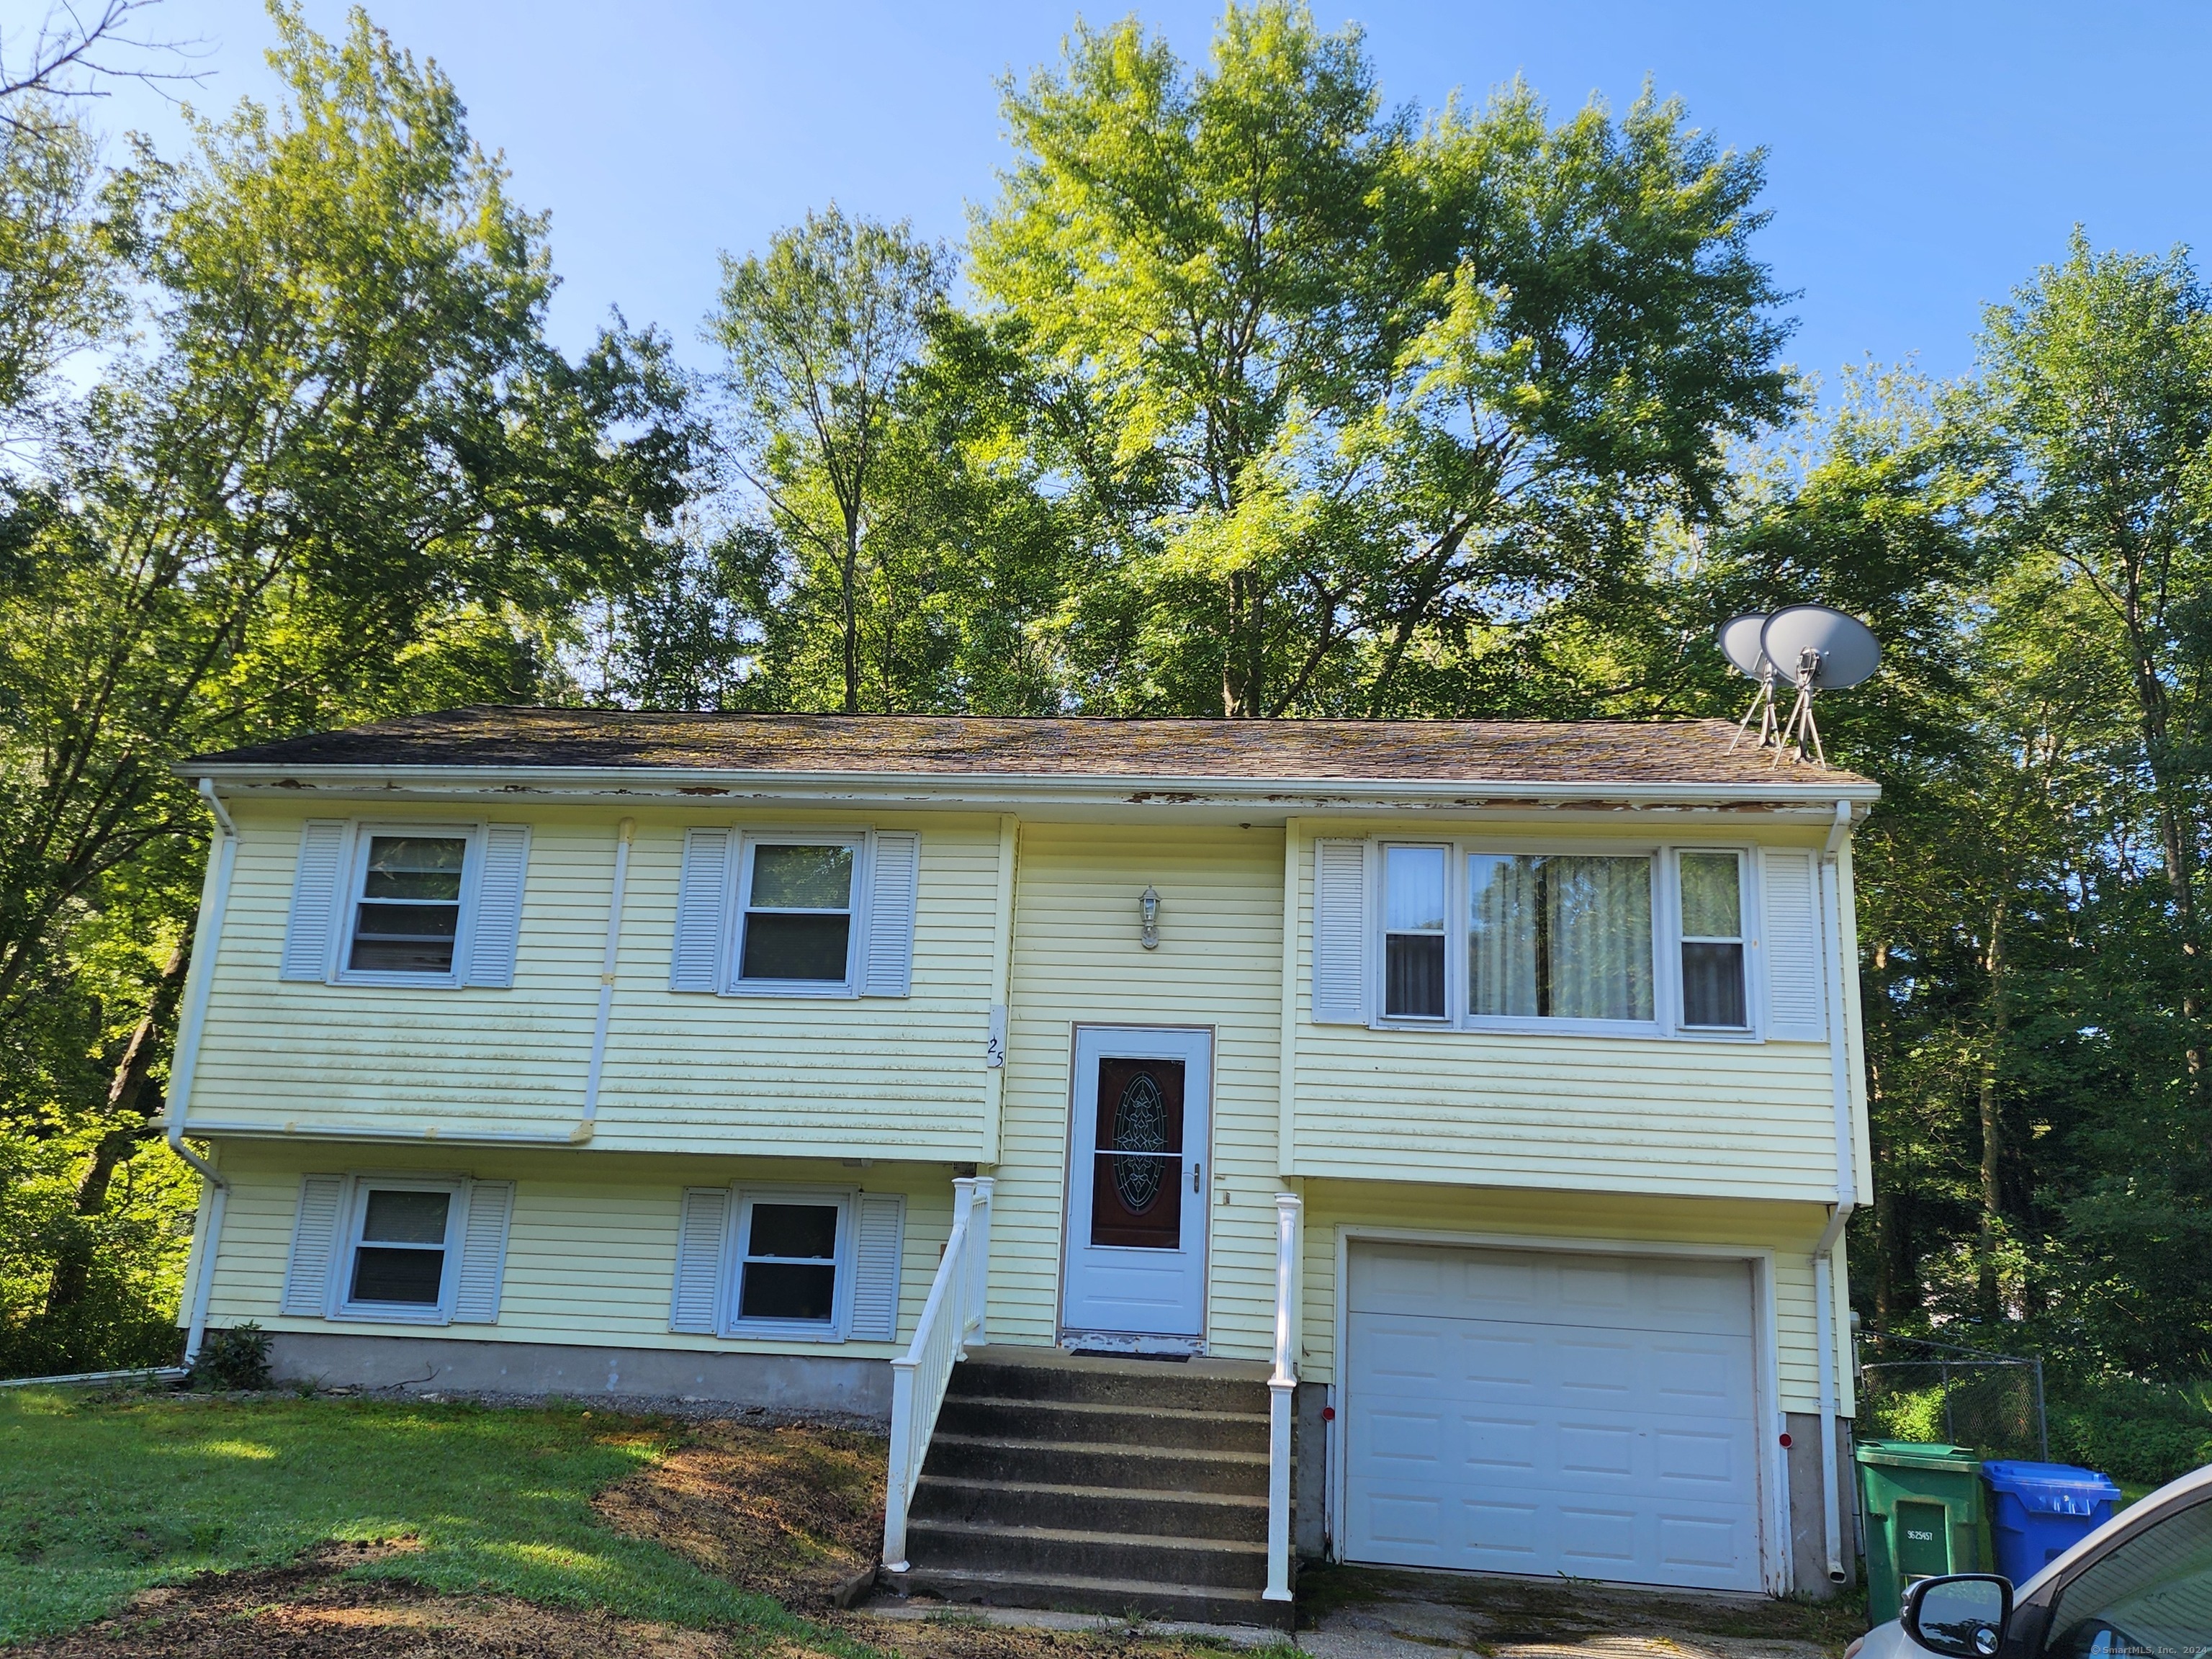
{"points": [[1345, 394], [347, 476], [819, 333]]}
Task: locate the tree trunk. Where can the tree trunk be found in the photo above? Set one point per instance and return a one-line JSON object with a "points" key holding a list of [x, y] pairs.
{"points": [[132, 1100], [1988, 1296]]}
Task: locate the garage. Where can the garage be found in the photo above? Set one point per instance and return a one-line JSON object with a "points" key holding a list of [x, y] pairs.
{"points": [[1552, 1412]]}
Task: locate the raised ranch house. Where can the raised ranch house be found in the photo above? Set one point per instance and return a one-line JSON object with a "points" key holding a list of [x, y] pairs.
{"points": [[1206, 1143]]}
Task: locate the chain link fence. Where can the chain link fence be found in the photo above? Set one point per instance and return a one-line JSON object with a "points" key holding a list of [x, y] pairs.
{"points": [[1910, 1389]]}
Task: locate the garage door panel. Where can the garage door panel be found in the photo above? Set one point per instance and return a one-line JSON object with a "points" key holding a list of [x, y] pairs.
{"points": [[1669, 1293], [1579, 1434]]}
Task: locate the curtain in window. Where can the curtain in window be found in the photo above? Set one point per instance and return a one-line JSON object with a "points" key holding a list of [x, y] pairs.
{"points": [[1599, 916], [1559, 938], [1503, 935]]}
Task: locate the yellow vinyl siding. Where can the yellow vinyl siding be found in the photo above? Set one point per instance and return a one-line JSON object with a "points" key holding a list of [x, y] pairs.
{"points": [[591, 1249], [785, 1077], [1077, 961], [1789, 1230], [1720, 1118]]}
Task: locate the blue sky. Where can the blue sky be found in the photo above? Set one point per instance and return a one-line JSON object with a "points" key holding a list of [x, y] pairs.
{"points": [[1924, 159]]}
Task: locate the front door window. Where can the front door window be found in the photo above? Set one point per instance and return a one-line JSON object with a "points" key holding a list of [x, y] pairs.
{"points": [[1137, 1183]]}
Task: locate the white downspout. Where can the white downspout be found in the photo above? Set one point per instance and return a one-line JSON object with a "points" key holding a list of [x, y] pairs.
{"points": [[1824, 1312], [583, 1131], [214, 898]]}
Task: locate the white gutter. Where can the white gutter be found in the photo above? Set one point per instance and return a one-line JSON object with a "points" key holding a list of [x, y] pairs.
{"points": [[136, 1374], [583, 1131], [215, 899], [435, 1133], [703, 786], [1824, 1311]]}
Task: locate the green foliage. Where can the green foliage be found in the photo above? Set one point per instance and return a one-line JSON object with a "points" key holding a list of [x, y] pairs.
{"points": [[2139, 1432], [1351, 400], [234, 1358], [100, 1497]]}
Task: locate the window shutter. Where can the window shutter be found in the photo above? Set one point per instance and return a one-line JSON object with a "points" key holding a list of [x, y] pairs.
{"points": [[702, 907], [1339, 932], [1795, 1008], [891, 888], [314, 1242], [876, 1241], [699, 1236], [314, 901], [484, 1253], [498, 921]]}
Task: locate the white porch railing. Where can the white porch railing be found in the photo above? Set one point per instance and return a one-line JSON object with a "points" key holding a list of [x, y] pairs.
{"points": [[951, 1321], [1282, 1393]]}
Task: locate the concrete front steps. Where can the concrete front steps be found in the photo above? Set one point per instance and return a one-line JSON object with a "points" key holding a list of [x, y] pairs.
{"points": [[1116, 1487]]}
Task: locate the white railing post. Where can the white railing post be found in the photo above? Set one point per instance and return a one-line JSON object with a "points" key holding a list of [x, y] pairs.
{"points": [[1282, 1395], [920, 1375], [979, 1258]]}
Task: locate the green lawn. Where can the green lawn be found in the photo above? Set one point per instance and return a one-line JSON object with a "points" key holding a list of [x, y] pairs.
{"points": [[100, 1497]]}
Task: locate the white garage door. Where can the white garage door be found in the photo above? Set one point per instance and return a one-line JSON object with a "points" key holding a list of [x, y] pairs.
{"points": [[1550, 1412]]}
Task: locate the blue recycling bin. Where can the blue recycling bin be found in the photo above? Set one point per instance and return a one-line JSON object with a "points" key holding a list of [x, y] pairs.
{"points": [[2039, 1510]]}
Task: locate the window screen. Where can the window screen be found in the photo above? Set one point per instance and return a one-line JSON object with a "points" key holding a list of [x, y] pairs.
{"points": [[797, 914], [401, 1257], [1712, 940], [789, 1268], [410, 904], [1413, 932]]}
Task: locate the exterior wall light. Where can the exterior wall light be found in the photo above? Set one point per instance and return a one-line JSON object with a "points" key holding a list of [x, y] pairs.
{"points": [[1149, 906]]}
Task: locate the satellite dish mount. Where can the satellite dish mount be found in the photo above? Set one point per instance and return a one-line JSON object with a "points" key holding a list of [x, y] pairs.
{"points": [[1820, 649]]}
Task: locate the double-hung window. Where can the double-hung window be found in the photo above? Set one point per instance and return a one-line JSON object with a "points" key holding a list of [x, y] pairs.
{"points": [[406, 918], [791, 1258], [1413, 948], [1712, 938], [400, 1246], [795, 924]]}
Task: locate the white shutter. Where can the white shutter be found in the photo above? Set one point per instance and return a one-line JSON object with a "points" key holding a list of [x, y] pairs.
{"points": [[702, 907], [700, 1232], [891, 888], [1339, 932], [315, 901], [1796, 1011], [484, 1253], [498, 919], [876, 1241], [314, 1242]]}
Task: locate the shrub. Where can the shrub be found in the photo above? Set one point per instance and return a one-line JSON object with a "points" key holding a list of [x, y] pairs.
{"points": [[234, 1358], [2133, 1430]]}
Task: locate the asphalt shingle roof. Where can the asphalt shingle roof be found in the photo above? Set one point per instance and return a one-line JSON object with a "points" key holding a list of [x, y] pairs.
{"points": [[1486, 751]]}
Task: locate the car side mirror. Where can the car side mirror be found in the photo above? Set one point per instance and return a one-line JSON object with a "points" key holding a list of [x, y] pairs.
{"points": [[1961, 1617]]}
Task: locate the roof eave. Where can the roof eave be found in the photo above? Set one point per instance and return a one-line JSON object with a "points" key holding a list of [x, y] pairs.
{"points": [[1315, 794]]}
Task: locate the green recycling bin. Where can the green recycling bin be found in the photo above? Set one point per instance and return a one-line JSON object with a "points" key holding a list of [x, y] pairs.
{"points": [[1924, 1517]]}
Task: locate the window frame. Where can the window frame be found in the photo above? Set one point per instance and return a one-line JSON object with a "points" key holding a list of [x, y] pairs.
{"points": [[363, 832], [743, 1197], [1666, 1023], [354, 1208], [1747, 936], [862, 843], [1454, 989]]}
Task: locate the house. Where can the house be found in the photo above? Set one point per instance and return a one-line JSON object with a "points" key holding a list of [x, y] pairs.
{"points": [[1203, 1142]]}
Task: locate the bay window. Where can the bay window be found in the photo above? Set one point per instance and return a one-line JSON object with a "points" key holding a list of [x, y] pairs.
{"points": [[1583, 939]]}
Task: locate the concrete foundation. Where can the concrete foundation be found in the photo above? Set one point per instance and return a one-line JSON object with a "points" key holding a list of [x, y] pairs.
{"points": [[848, 1387], [1808, 1559], [1309, 1471]]}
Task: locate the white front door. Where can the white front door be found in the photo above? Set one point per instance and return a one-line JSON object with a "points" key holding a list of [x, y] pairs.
{"points": [[1136, 1189], [1546, 1411]]}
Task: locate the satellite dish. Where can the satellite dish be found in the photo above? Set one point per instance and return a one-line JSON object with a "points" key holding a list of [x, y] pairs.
{"points": [[1739, 642], [1822, 648]]}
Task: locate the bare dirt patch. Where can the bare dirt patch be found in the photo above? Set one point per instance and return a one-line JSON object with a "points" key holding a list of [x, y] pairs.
{"points": [[793, 1511], [306, 1610]]}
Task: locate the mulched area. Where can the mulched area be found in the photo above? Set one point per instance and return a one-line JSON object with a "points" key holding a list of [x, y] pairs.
{"points": [[795, 1511], [306, 1610]]}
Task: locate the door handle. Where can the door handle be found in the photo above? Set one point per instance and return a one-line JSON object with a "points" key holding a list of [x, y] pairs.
{"points": [[1193, 1177]]}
